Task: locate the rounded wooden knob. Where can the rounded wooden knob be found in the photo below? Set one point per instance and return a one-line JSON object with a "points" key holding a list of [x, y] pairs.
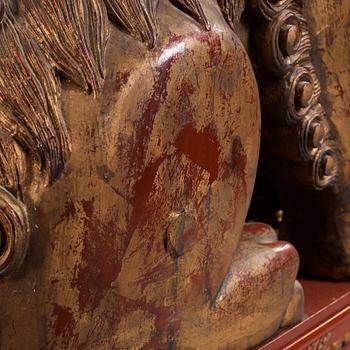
{"points": [[290, 39], [303, 93], [316, 135], [328, 165], [178, 233]]}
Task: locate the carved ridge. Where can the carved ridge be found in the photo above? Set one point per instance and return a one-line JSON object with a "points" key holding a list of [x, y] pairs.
{"points": [[196, 10], [137, 17], [73, 34], [232, 10]]}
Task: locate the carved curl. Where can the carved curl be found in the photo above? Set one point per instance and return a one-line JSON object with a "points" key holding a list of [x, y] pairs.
{"points": [[327, 165], [314, 130], [299, 103], [14, 228], [14, 232]]}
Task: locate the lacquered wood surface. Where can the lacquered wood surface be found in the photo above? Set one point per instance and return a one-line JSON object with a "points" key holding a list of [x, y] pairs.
{"points": [[326, 323]]}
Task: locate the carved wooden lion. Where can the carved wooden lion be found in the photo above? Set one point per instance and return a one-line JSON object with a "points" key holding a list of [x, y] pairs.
{"points": [[130, 135]]}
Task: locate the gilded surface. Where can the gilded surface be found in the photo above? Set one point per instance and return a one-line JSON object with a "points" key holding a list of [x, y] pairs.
{"points": [[137, 236]]}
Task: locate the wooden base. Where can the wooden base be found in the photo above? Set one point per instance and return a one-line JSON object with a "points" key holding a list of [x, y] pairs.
{"points": [[327, 320]]}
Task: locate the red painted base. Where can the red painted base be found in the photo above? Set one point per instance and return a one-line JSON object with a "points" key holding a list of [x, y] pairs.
{"points": [[327, 320]]}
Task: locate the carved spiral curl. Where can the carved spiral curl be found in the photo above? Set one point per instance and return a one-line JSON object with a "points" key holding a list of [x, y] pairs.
{"points": [[313, 132], [283, 37], [300, 94], [326, 166], [14, 232]]}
